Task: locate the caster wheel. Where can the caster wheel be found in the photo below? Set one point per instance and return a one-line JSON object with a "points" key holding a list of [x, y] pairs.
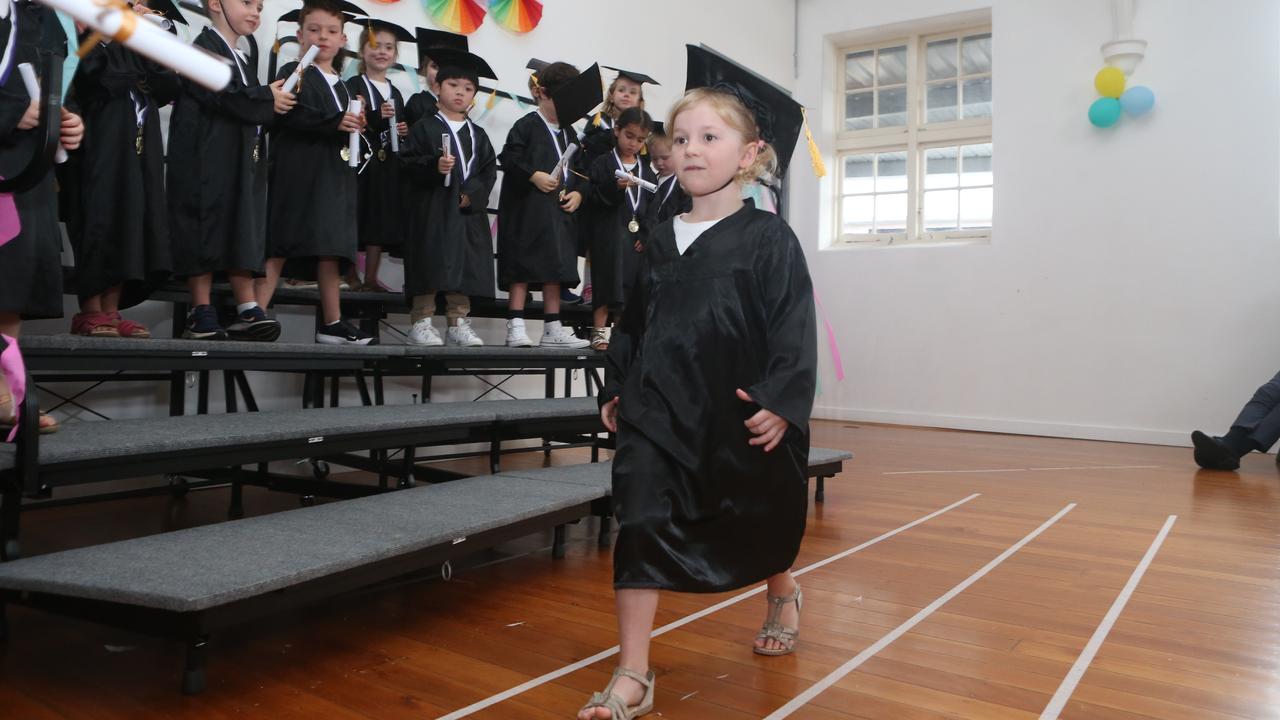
{"points": [[320, 469], [307, 500], [12, 550], [177, 486]]}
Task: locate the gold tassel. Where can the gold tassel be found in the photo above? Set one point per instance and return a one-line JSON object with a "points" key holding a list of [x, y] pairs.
{"points": [[596, 122], [493, 100], [815, 156]]}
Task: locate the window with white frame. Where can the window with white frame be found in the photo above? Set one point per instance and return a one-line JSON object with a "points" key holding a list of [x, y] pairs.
{"points": [[915, 140]]}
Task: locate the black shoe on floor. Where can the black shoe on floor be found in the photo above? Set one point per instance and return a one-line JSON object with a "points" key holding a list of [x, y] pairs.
{"points": [[1213, 454], [254, 325], [202, 324], [343, 333]]}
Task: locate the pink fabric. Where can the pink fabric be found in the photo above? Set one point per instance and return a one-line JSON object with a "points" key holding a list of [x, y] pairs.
{"points": [[831, 338], [15, 373], [9, 223]]}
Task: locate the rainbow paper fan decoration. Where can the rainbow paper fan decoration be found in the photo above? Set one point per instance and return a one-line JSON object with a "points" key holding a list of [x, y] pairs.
{"points": [[459, 16], [516, 15]]}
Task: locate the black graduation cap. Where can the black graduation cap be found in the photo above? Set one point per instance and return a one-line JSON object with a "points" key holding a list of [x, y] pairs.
{"points": [[578, 97], [429, 40], [639, 78], [400, 33], [350, 12], [448, 57], [659, 128], [168, 9], [537, 65], [779, 116]]}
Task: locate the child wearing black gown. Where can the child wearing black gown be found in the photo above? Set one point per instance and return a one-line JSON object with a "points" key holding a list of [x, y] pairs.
{"points": [[710, 384]]}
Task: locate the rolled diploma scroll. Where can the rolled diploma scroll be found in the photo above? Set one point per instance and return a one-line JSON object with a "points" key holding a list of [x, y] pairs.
{"points": [[303, 63], [395, 132], [622, 174], [444, 145], [355, 107], [33, 89], [558, 172], [150, 40]]}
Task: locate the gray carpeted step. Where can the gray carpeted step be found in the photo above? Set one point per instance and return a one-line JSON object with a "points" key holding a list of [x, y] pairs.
{"points": [[203, 567], [513, 410], [8, 454], [71, 344]]}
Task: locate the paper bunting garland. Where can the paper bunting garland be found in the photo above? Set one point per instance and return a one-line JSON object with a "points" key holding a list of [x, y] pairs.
{"points": [[458, 16], [519, 16]]}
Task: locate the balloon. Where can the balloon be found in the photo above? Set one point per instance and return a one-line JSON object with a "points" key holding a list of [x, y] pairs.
{"points": [[1138, 100], [1104, 112], [1109, 81]]}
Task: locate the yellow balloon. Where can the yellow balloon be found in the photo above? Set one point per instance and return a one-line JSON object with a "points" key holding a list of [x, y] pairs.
{"points": [[1110, 82]]}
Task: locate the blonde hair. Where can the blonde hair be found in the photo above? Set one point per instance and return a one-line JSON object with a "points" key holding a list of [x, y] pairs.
{"points": [[737, 116], [609, 108]]}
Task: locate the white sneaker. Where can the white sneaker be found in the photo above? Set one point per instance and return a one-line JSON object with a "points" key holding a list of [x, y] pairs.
{"points": [[516, 336], [557, 335], [424, 334], [462, 335]]}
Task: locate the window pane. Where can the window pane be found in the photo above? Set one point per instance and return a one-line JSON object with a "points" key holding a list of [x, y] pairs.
{"points": [[941, 209], [891, 212], [975, 208], [940, 99], [977, 98], [976, 165], [941, 59], [941, 168], [859, 171], [858, 109], [893, 107], [891, 174], [893, 65], [975, 54], [856, 215], [859, 70]]}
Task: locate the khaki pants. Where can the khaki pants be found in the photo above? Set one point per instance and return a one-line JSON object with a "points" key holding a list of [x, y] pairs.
{"points": [[457, 306]]}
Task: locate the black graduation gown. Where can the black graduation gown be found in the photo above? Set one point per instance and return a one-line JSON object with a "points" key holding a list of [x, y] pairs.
{"points": [[217, 191], [669, 201], [537, 240], [30, 263], [454, 250], [699, 509], [378, 196], [421, 104], [614, 259], [311, 212], [119, 228], [597, 140]]}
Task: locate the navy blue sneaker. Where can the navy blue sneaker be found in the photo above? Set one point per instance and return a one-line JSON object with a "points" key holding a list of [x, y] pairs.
{"points": [[254, 325], [568, 298], [202, 324]]}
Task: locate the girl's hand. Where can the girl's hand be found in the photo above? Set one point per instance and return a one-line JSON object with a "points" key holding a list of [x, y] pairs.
{"points": [[625, 183], [283, 101], [402, 129], [546, 182], [609, 415], [31, 117], [388, 110], [464, 201], [571, 201], [767, 427], [445, 164], [72, 130], [349, 123]]}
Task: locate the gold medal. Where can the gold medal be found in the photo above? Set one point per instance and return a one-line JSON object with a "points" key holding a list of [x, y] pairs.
{"points": [[562, 196], [382, 154], [345, 154], [256, 155], [633, 226], [137, 142]]}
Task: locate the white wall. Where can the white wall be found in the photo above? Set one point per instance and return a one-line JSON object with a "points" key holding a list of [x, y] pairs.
{"points": [[578, 31], [1129, 288]]}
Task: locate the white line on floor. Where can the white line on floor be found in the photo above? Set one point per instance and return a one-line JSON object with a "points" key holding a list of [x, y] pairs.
{"points": [[1077, 671], [836, 675], [1034, 469], [574, 667]]}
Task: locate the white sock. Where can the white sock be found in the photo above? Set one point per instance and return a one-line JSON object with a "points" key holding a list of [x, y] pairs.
{"points": [[243, 307]]}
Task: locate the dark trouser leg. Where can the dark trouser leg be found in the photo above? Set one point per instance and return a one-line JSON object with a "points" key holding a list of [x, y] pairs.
{"points": [[1261, 415]]}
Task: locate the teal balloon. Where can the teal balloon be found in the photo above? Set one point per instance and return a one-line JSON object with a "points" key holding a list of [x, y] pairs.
{"points": [[1137, 100], [1104, 112]]}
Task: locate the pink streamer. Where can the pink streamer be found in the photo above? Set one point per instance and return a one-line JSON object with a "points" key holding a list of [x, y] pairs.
{"points": [[14, 371], [10, 225], [831, 338]]}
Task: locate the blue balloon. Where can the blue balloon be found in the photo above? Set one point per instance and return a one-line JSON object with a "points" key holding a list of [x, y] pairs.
{"points": [[1104, 112], [1138, 100]]}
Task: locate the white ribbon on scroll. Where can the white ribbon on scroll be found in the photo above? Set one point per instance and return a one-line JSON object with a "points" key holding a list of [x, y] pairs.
{"points": [[303, 63]]}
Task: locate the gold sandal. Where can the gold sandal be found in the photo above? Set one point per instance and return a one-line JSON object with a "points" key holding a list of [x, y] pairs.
{"points": [[773, 628], [617, 708]]}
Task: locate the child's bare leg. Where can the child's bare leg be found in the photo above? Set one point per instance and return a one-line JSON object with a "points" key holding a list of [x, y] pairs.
{"points": [[330, 304], [600, 316], [636, 609], [201, 288], [517, 295], [551, 298], [372, 261], [242, 287], [265, 287]]}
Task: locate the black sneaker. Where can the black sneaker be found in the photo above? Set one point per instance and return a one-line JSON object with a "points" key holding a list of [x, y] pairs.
{"points": [[202, 324], [343, 333], [1213, 454], [253, 324]]}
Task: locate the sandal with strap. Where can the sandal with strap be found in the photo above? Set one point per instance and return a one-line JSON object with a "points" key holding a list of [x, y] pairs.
{"points": [[48, 425], [129, 329], [599, 339], [617, 707], [773, 628], [94, 324]]}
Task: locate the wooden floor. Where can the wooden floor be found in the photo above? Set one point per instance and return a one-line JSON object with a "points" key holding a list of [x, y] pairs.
{"points": [[1198, 639]]}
